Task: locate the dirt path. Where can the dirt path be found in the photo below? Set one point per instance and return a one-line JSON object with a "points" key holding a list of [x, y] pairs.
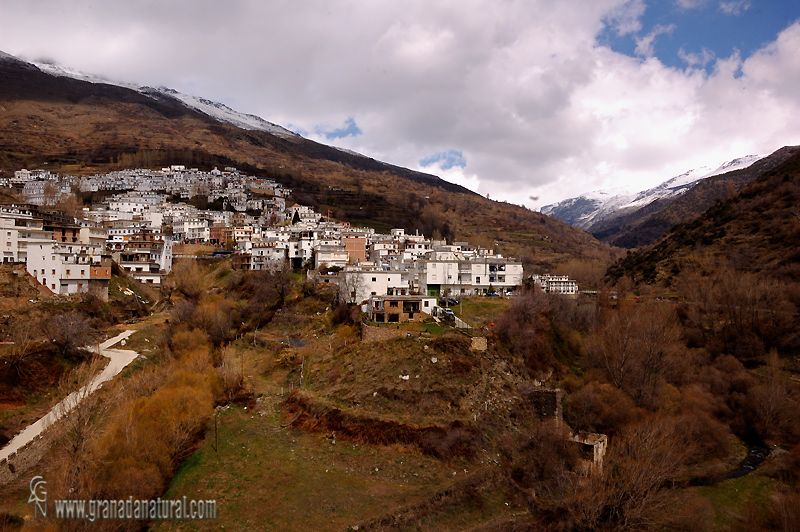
{"points": [[118, 359]]}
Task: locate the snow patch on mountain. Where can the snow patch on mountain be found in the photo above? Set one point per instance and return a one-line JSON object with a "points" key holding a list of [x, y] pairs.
{"points": [[223, 113], [590, 208], [217, 111]]}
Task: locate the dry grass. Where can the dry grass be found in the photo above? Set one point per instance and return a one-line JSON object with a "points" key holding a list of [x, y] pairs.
{"points": [[192, 249], [269, 477]]}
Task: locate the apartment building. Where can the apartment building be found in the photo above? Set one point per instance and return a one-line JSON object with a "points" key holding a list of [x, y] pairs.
{"points": [[68, 269]]}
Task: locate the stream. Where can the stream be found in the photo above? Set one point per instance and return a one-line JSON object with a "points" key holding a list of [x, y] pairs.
{"points": [[756, 454]]}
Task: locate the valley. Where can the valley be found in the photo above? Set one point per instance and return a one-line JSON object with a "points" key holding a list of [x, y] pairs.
{"points": [[289, 370]]}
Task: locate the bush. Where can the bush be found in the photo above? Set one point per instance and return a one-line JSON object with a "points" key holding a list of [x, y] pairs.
{"points": [[600, 407]]}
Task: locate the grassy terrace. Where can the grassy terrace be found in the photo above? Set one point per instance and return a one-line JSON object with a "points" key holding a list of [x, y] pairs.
{"points": [[268, 477], [731, 499]]}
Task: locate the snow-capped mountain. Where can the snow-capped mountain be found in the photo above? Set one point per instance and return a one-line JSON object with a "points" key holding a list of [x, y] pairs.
{"points": [[215, 110], [588, 209]]}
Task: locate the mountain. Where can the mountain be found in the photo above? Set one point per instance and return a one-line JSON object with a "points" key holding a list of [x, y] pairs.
{"points": [[589, 210], [646, 225], [215, 110], [756, 230], [82, 126]]}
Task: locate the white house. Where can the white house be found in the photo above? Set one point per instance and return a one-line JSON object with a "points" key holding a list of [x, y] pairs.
{"points": [[556, 284], [69, 268], [451, 272]]}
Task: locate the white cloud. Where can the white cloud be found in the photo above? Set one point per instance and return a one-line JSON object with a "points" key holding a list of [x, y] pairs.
{"points": [[522, 89], [626, 18], [644, 45], [690, 4], [697, 59], [734, 7]]}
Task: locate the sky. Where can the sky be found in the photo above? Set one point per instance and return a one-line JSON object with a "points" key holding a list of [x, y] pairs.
{"points": [[525, 101]]}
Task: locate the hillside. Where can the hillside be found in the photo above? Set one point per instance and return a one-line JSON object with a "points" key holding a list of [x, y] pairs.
{"points": [[593, 209], [649, 223], [757, 230], [74, 126]]}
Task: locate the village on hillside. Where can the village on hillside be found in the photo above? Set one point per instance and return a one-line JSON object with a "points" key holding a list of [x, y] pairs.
{"points": [[145, 214]]}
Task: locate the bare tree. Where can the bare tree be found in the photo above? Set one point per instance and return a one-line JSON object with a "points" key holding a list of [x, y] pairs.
{"points": [[187, 278], [632, 492], [24, 336], [279, 279], [351, 284], [80, 412], [50, 194], [70, 332], [634, 347]]}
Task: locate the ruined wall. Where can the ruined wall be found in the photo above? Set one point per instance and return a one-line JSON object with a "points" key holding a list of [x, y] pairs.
{"points": [[478, 343], [546, 403]]}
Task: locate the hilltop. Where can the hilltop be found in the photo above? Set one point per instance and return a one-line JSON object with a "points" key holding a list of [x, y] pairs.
{"points": [[595, 209], [649, 223], [756, 231]]}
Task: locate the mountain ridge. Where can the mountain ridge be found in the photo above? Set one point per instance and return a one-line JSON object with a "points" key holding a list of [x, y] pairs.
{"points": [[79, 127], [216, 110], [756, 230], [646, 225], [591, 208]]}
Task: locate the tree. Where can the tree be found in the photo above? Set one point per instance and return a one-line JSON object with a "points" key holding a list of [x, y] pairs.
{"points": [[632, 492], [70, 332], [24, 336], [351, 284], [187, 278], [80, 413], [50, 194], [634, 347]]}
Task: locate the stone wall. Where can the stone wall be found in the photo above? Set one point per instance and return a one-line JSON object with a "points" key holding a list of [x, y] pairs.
{"points": [[378, 334], [25, 459], [546, 403]]}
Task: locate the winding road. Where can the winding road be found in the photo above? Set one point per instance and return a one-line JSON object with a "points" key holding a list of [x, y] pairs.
{"points": [[118, 360]]}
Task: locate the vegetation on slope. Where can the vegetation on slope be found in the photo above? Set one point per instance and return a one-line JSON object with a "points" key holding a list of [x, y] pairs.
{"points": [[76, 127], [648, 224], [756, 231]]}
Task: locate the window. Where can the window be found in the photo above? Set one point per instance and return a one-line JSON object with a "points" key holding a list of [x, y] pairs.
{"points": [[393, 304], [374, 279], [83, 272], [54, 272], [477, 279], [67, 272]]}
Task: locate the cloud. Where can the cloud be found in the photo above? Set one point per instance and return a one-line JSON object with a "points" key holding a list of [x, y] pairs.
{"points": [[523, 93], [697, 59], [626, 18], [349, 129], [734, 7], [445, 160], [644, 45], [690, 4]]}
